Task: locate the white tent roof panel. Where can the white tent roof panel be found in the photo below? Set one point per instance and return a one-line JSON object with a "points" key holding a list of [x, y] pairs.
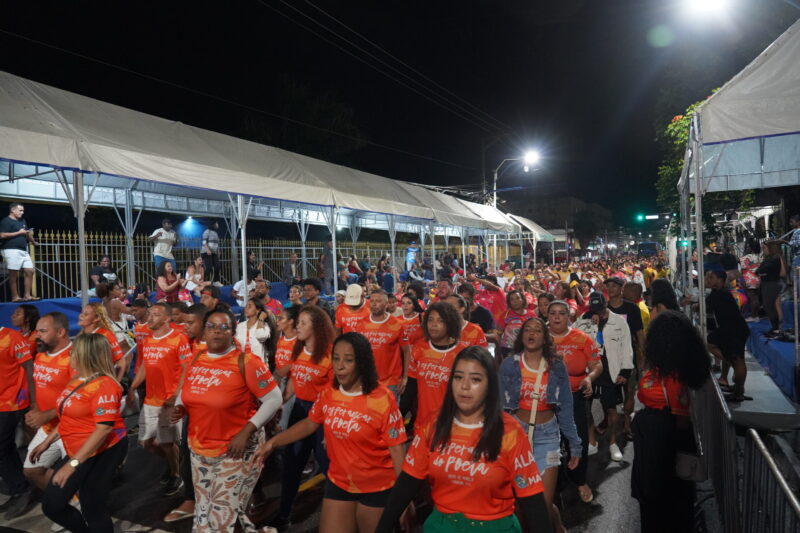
{"points": [[542, 235]]}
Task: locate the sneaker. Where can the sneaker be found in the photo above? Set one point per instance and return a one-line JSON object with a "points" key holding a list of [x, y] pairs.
{"points": [[593, 448], [19, 504], [616, 455], [280, 523], [173, 486], [751, 319], [56, 528]]}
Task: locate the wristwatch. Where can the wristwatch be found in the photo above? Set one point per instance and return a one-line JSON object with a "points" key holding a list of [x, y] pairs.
{"points": [[74, 463]]}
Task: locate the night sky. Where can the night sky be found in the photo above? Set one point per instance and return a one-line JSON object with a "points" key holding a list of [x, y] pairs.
{"points": [[585, 82]]}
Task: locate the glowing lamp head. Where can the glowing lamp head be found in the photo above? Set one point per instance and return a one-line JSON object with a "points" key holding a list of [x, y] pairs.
{"points": [[531, 158], [701, 7]]}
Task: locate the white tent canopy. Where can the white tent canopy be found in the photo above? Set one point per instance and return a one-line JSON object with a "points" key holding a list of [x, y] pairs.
{"points": [[44, 125], [540, 234]]}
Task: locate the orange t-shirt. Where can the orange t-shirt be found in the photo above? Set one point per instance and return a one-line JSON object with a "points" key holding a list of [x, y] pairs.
{"points": [[528, 390], [51, 374], [219, 401], [197, 347], [283, 352], [412, 329], [14, 351], [311, 378], [164, 358], [431, 368], [651, 393], [30, 340], [359, 429], [481, 490], [578, 349], [385, 338], [98, 401], [140, 332], [473, 335], [116, 349], [347, 320]]}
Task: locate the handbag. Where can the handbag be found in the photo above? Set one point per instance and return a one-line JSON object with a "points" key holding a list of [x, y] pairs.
{"points": [[689, 466], [535, 404]]}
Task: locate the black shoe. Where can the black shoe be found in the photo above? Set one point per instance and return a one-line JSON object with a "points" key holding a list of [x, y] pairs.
{"points": [[174, 485], [18, 505], [280, 523]]}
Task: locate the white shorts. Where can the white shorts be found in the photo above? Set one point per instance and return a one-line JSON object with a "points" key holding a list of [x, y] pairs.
{"points": [[51, 456], [17, 259], [154, 424]]}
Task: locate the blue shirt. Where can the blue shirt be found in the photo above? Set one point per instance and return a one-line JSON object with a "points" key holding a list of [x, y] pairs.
{"points": [[411, 254]]}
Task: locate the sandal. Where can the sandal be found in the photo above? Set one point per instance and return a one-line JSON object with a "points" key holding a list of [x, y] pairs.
{"points": [[18, 300], [176, 515], [583, 495]]}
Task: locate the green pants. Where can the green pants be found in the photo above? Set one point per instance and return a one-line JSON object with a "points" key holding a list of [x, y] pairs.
{"points": [[446, 523]]}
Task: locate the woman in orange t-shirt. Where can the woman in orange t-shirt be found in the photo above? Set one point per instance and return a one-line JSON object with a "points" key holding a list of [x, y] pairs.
{"points": [[364, 436], [94, 319], [24, 318], [310, 374], [676, 360], [219, 394], [94, 437], [476, 458]]}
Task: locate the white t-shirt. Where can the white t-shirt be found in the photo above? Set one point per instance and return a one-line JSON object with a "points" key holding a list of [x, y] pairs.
{"points": [[164, 242], [239, 288]]}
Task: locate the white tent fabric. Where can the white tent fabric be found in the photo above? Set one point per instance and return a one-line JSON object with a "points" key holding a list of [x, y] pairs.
{"points": [[542, 235], [750, 129], [49, 126]]}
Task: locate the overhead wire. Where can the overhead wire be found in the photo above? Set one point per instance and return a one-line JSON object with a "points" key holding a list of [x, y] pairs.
{"points": [[409, 67], [475, 121], [233, 102]]}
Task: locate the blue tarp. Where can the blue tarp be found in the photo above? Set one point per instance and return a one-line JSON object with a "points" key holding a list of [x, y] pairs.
{"points": [[776, 357]]}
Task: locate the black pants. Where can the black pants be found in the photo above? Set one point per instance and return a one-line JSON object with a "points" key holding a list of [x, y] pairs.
{"points": [[211, 264], [186, 462], [296, 456], [579, 404], [10, 463], [770, 292], [92, 481]]}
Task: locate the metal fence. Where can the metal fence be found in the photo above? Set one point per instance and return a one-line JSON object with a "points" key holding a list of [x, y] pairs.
{"points": [[58, 273]]}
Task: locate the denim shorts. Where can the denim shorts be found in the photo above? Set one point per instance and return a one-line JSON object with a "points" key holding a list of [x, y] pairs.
{"points": [[546, 444]]}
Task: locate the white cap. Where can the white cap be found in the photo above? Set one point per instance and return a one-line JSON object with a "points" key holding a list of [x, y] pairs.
{"points": [[354, 293]]}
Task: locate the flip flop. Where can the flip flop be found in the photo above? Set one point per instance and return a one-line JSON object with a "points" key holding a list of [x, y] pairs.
{"points": [[17, 300], [178, 515], [584, 498]]}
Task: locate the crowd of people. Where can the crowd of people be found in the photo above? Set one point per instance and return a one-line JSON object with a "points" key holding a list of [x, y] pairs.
{"points": [[464, 399]]}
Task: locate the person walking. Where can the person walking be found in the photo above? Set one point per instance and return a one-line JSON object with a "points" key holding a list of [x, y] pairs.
{"points": [[93, 433], [15, 235]]}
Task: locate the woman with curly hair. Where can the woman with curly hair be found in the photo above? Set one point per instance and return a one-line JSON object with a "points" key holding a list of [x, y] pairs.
{"points": [[24, 319], [364, 437], [476, 458], [94, 319], [536, 391], [310, 374], [676, 360]]}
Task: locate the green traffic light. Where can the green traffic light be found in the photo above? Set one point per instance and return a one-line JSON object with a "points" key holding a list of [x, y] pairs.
{"points": [[639, 217]]}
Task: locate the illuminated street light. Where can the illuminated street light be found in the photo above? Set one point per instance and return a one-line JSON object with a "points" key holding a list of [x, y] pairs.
{"points": [[530, 159], [705, 7]]}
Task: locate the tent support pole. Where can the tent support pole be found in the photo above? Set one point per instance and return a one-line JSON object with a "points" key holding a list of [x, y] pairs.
{"points": [[79, 208], [698, 207], [508, 238], [464, 252], [334, 216], [129, 228], [534, 249], [302, 228], [433, 250], [486, 246], [521, 251], [554, 253], [494, 251], [391, 223], [241, 215]]}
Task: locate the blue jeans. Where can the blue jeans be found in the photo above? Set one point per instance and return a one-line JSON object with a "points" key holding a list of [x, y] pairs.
{"points": [[158, 260]]}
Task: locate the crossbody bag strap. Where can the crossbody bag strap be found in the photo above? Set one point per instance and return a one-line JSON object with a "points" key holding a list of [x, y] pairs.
{"points": [[76, 389], [535, 404]]}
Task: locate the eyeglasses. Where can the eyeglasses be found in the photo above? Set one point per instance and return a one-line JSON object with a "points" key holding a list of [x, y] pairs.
{"points": [[221, 327]]}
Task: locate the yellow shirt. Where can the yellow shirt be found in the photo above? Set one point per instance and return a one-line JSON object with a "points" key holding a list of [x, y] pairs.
{"points": [[649, 276], [645, 312]]}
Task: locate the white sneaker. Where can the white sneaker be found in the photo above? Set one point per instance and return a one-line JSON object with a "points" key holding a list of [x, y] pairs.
{"points": [[592, 448], [55, 528], [616, 455]]}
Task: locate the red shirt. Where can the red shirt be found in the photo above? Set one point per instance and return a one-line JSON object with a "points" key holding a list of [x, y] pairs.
{"points": [[359, 429], [275, 306], [385, 338], [473, 335], [140, 332], [651, 393], [219, 401], [14, 351], [98, 401], [431, 368], [164, 358], [481, 490], [283, 352], [348, 320], [494, 301], [578, 349], [51, 374], [311, 378], [512, 323], [412, 329]]}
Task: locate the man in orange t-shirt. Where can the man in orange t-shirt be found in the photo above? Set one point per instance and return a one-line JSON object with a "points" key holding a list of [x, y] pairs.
{"points": [[16, 389], [164, 354], [141, 330], [385, 334], [51, 374], [471, 333], [355, 311]]}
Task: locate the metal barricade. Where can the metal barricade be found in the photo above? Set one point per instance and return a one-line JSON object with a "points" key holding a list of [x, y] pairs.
{"points": [[770, 503]]}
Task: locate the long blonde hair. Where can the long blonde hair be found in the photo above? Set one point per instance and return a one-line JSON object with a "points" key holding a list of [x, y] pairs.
{"points": [[102, 315], [92, 353]]}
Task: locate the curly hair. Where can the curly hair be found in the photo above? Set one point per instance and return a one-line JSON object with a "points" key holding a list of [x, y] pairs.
{"points": [[675, 348], [450, 316], [548, 348], [489, 443], [102, 316], [323, 333], [661, 292], [511, 294], [365, 361]]}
